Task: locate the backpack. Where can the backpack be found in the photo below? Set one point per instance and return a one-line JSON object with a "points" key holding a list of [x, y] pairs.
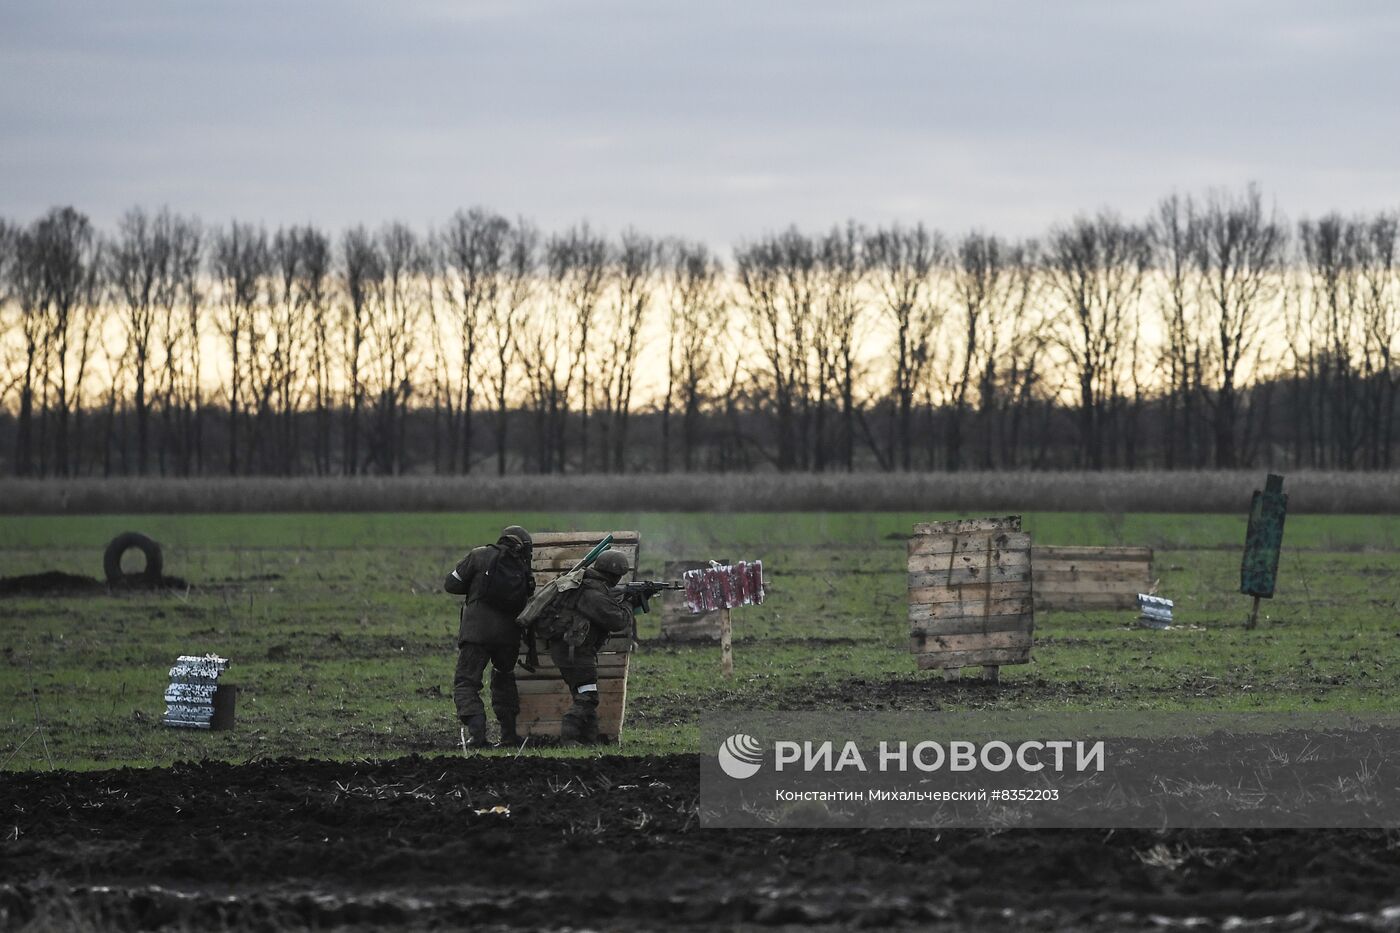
{"points": [[507, 581], [559, 620]]}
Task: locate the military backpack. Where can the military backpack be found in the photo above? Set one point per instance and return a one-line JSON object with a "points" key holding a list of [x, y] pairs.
{"points": [[508, 579]]}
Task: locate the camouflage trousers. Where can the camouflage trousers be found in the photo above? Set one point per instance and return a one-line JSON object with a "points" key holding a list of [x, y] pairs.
{"points": [[579, 669], [472, 659]]}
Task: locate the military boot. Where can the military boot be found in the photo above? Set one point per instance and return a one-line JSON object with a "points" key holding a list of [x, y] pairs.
{"points": [[579, 725], [509, 736], [474, 732]]}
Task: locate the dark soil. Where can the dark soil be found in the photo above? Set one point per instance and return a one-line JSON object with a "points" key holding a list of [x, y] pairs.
{"points": [[57, 583], [612, 842]]}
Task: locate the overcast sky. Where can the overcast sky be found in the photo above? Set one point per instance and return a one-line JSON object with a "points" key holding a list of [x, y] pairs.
{"points": [[714, 120]]}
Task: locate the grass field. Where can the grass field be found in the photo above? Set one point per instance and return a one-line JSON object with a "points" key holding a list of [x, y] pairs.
{"points": [[1317, 492], [342, 641]]}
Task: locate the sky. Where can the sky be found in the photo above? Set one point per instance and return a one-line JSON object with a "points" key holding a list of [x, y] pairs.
{"points": [[717, 121]]}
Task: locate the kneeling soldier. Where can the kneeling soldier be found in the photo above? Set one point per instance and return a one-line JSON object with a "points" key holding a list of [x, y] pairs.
{"points": [[497, 582], [587, 616]]}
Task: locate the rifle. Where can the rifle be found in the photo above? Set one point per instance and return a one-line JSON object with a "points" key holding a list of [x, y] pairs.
{"points": [[544, 594], [639, 594]]}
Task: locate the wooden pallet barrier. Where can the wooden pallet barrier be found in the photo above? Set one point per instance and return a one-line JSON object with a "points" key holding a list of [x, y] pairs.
{"points": [[544, 697], [1080, 579], [970, 594]]}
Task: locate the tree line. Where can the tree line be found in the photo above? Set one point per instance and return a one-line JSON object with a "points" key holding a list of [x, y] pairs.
{"points": [[1210, 334]]}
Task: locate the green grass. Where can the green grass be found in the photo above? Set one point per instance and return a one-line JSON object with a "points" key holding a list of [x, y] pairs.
{"points": [[342, 640]]}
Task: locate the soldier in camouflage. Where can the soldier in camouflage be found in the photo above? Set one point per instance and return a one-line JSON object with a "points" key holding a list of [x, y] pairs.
{"points": [[595, 612], [488, 633]]}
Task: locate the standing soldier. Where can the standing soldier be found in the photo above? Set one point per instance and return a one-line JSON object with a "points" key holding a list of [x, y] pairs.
{"points": [[497, 582], [586, 616]]}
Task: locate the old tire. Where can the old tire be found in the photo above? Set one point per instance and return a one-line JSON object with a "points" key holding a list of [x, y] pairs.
{"points": [[112, 559]]}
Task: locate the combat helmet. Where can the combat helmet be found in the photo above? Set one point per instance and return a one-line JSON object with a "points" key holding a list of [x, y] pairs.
{"points": [[612, 563]]}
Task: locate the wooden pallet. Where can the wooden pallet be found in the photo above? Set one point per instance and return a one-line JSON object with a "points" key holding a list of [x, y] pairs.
{"points": [[1080, 579], [544, 697], [970, 598], [677, 622]]}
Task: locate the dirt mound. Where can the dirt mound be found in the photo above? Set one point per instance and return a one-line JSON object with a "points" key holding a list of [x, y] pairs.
{"points": [[51, 583], [609, 841], [57, 583]]}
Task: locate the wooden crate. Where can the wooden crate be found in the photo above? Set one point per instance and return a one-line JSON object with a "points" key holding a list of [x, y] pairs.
{"points": [[1080, 579], [677, 622], [543, 695], [970, 594]]}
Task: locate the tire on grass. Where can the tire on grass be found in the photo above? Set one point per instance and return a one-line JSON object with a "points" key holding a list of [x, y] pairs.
{"points": [[112, 559]]}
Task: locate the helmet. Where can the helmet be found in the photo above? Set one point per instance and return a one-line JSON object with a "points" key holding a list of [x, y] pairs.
{"points": [[515, 531], [612, 563]]}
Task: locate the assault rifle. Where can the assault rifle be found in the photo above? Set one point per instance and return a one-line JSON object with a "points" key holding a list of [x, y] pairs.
{"points": [[638, 595]]}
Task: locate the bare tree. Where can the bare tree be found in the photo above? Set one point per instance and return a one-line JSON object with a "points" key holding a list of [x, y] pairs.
{"points": [[68, 255], [698, 320], [577, 262], [140, 266], [240, 266], [179, 304], [545, 347], [990, 284], [1379, 261], [11, 316], [313, 288], [396, 314], [1175, 232], [759, 269], [1097, 266], [474, 253], [1240, 259], [1009, 348], [842, 273], [901, 263], [505, 318], [290, 319], [633, 271], [362, 275]]}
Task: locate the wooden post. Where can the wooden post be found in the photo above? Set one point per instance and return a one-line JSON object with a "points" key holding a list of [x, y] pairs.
{"points": [[726, 644], [1253, 615], [991, 673], [952, 673]]}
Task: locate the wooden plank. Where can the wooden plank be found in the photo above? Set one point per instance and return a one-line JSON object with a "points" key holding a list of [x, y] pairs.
{"points": [[548, 672], [552, 538], [969, 544], [972, 603], [933, 644], [975, 562], [1073, 585], [969, 625], [947, 659], [1092, 570], [1071, 602], [963, 577], [964, 526], [547, 706], [1057, 553], [572, 554], [940, 593]]}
